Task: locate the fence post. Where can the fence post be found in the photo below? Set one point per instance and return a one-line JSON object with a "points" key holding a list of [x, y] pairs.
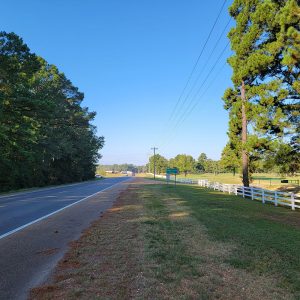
{"points": [[275, 198], [243, 189], [263, 196], [293, 201], [229, 188], [252, 196], [236, 190]]}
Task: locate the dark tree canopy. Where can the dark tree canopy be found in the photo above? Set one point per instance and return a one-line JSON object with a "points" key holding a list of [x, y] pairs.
{"points": [[46, 135]]}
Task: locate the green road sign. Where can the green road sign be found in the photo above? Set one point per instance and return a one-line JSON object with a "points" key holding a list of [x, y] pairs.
{"points": [[172, 171]]}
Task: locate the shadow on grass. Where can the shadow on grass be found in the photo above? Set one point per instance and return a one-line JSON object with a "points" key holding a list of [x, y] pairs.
{"points": [[267, 238]]}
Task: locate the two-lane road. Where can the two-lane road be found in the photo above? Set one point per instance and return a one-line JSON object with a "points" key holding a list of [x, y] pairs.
{"points": [[36, 227], [21, 209]]}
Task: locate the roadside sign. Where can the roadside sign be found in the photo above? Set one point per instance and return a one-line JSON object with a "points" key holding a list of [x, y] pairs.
{"points": [[172, 171]]}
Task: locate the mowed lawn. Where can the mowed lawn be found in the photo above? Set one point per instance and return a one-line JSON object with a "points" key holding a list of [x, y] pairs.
{"points": [[264, 180], [184, 242]]}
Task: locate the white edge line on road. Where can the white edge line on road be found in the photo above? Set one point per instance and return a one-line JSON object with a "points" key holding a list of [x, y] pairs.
{"points": [[57, 211], [44, 189]]}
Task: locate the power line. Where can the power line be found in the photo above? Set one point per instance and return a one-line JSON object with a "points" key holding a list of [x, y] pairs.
{"points": [[204, 67], [188, 109], [194, 107], [197, 102], [197, 61], [202, 84]]}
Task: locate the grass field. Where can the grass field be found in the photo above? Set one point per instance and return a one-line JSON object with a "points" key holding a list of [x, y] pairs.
{"points": [[162, 242], [264, 180], [230, 178]]}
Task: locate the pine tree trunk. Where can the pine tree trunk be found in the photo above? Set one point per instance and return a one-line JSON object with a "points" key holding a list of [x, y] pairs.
{"points": [[245, 159]]}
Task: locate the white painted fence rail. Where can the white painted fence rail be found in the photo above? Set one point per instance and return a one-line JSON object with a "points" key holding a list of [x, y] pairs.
{"points": [[179, 180], [278, 198]]}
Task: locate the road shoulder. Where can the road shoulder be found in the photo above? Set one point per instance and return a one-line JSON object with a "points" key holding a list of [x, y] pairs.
{"points": [[149, 245], [28, 257]]}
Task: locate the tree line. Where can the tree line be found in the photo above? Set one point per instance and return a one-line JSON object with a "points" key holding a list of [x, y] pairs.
{"points": [[185, 164], [263, 103], [46, 136], [101, 169], [203, 164]]}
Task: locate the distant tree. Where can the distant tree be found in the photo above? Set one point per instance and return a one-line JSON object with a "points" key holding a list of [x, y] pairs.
{"points": [[284, 157], [211, 166], [200, 164], [172, 163], [230, 160], [185, 163], [142, 169], [161, 164]]}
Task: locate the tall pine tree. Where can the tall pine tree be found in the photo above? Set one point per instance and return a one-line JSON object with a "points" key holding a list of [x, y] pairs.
{"points": [[265, 98]]}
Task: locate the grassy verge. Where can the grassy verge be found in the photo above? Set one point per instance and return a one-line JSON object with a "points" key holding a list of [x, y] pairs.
{"points": [[162, 242]]}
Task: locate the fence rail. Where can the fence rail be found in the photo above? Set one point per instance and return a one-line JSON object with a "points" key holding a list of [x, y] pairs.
{"points": [[180, 180], [278, 198], [265, 196]]}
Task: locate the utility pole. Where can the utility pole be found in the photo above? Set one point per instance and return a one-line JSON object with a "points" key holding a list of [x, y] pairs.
{"points": [[154, 148]]}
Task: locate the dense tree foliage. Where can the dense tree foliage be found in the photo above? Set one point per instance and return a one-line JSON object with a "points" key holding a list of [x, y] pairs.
{"points": [[276, 160], [46, 136], [121, 168], [184, 163], [266, 74], [208, 165], [161, 163], [229, 159]]}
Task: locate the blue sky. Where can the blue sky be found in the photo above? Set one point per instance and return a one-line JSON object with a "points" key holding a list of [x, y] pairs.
{"points": [[132, 60]]}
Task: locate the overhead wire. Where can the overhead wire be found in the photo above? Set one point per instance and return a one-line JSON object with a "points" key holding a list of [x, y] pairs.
{"points": [[204, 66], [202, 84], [194, 107], [197, 61], [188, 109]]}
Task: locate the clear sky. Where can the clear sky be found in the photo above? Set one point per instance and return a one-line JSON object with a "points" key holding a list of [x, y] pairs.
{"points": [[132, 60]]}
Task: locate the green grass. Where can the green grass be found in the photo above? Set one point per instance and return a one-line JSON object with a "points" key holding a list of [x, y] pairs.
{"points": [[263, 180], [237, 179], [266, 239], [186, 242], [223, 178], [165, 245]]}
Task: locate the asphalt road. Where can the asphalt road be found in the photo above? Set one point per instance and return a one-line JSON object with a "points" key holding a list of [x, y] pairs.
{"points": [[30, 249], [22, 208]]}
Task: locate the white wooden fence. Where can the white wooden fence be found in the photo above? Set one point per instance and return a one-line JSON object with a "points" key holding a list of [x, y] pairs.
{"points": [[179, 180], [278, 198]]}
